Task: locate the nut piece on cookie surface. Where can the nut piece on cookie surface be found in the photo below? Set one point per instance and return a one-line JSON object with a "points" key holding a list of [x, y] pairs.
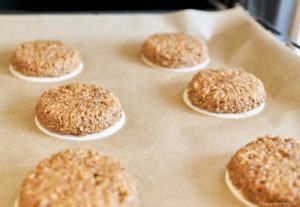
{"points": [[78, 109], [79, 178], [174, 50], [267, 171], [226, 91], [44, 58]]}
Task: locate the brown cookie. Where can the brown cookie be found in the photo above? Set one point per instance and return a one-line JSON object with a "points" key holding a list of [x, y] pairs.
{"points": [[79, 178], [78, 109], [174, 50], [43, 58], [267, 172], [226, 91]]}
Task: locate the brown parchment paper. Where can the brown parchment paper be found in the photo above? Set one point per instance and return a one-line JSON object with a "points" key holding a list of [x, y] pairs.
{"points": [[177, 156]]}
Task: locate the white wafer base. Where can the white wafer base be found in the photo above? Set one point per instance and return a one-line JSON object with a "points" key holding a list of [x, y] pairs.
{"points": [[46, 79], [222, 115], [188, 69], [236, 192], [16, 204], [93, 136]]}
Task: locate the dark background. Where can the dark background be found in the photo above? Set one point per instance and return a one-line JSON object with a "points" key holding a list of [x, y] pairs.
{"points": [[275, 15], [108, 5]]}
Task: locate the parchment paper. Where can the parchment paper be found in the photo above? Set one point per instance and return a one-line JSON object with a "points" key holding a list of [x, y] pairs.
{"points": [[177, 156]]}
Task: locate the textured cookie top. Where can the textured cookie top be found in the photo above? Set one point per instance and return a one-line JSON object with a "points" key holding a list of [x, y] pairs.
{"points": [[78, 109], [267, 171], [79, 178], [174, 50], [43, 58], [226, 91]]}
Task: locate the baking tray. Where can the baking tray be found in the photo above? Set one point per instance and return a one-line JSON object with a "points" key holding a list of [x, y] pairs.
{"points": [[177, 156]]}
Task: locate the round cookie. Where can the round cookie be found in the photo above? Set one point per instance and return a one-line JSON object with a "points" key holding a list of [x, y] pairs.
{"points": [[225, 93], [79, 178], [266, 172], [175, 52], [45, 61], [79, 112]]}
